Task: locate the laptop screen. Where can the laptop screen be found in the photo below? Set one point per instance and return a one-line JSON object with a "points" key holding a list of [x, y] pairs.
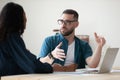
{"points": [[108, 60]]}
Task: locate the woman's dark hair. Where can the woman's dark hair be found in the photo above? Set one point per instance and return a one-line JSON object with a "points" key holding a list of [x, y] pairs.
{"points": [[11, 20]]}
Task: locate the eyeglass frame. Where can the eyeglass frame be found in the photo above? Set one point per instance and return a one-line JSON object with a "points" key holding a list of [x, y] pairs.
{"points": [[66, 22]]}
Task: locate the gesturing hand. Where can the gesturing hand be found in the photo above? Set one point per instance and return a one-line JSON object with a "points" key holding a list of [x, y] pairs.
{"points": [[58, 53], [100, 40]]}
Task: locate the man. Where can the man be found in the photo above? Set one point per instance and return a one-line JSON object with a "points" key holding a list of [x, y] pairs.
{"points": [[66, 48]]}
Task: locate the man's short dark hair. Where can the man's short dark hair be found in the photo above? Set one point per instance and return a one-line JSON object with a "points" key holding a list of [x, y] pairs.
{"points": [[71, 11]]}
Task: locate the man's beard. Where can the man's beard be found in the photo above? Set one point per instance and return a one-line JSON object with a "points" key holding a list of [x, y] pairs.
{"points": [[67, 33]]}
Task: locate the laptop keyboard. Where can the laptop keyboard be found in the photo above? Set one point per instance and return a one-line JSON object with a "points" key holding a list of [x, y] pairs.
{"points": [[87, 71]]}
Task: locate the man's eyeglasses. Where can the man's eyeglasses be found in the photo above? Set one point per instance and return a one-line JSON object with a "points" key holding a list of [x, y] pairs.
{"points": [[66, 22]]}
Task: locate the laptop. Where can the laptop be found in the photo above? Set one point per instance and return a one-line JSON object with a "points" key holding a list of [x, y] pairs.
{"points": [[107, 63]]}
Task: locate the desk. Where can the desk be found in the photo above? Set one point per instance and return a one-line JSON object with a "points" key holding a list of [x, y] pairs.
{"points": [[114, 75], [53, 76]]}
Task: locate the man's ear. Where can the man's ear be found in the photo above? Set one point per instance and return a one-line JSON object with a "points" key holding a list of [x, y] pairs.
{"points": [[77, 23]]}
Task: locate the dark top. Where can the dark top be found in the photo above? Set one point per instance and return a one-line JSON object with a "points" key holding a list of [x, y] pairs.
{"points": [[16, 59], [82, 49]]}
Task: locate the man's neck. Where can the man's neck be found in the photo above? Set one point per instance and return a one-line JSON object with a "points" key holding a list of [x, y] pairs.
{"points": [[70, 38]]}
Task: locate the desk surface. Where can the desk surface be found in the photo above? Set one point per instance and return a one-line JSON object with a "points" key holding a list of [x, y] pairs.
{"points": [[114, 75], [53, 76]]}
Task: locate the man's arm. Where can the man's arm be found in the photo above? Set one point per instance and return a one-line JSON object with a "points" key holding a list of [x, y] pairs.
{"points": [[94, 60]]}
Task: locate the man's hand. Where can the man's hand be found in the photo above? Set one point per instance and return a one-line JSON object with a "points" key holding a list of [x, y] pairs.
{"points": [[58, 53], [100, 40], [68, 68]]}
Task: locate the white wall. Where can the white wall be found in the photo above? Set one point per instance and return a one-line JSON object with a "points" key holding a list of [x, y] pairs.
{"points": [[101, 16]]}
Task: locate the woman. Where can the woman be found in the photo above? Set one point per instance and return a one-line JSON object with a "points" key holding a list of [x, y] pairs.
{"points": [[14, 57]]}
